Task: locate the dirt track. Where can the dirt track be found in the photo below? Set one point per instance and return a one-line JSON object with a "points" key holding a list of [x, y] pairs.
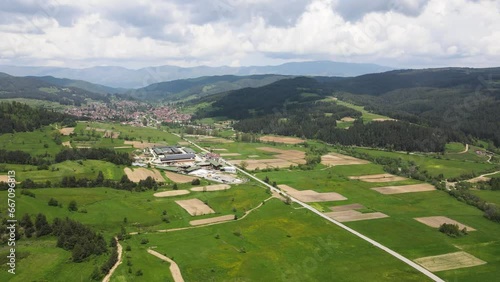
{"points": [[212, 220], [118, 262], [141, 173], [404, 189], [436, 221], [376, 178], [174, 268], [172, 193], [211, 188], [195, 207], [179, 178], [279, 139], [449, 261]]}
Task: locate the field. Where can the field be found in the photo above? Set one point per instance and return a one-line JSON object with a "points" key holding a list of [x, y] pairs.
{"points": [[138, 174], [282, 139], [488, 196], [435, 166], [333, 159], [274, 243], [383, 177], [387, 190], [449, 261], [309, 196], [36, 143], [367, 116], [436, 221]]}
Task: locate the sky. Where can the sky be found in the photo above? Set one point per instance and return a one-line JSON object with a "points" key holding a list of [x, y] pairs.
{"points": [[135, 34]]}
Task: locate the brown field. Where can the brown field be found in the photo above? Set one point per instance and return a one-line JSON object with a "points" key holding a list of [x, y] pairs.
{"points": [[263, 163], [183, 143], [384, 177], [66, 144], [309, 196], [347, 207], [348, 119], [333, 159], [111, 134], [96, 129], [449, 261], [436, 221], [66, 130], [195, 207], [4, 178], [178, 178], [172, 193], [352, 215], [139, 145], [279, 139], [139, 174], [230, 154], [405, 188], [212, 220], [283, 158], [212, 139], [211, 188]]}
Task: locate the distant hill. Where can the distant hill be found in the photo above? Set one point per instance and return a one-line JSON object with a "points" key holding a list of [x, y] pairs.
{"points": [[185, 89], [96, 88], [127, 78], [34, 88]]}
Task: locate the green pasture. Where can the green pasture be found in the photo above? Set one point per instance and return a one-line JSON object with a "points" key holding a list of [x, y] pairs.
{"points": [[274, 243], [433, 164], [38, 142], [367, 116]]}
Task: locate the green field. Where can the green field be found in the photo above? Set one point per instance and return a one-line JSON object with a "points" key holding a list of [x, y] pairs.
{"points": [[274, 243], [40, 260], [434, 165], [488, 195], [36, 143], [367, 116], [454, 147], [400, 231]]}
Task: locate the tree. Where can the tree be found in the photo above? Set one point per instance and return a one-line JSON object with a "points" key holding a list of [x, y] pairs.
{"points": [[195, 181], [243, 164], [53, 202], [72, 206], [42, 226], [100, 178], [266, 179]]}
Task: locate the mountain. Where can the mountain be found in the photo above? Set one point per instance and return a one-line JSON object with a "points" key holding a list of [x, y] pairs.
{"points": [[193, 88], [91, 87], [457, 102], [34, 88], [127, 78]]}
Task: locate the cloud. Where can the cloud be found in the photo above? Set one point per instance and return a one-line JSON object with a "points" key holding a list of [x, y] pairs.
{"points": [[222, 32]]}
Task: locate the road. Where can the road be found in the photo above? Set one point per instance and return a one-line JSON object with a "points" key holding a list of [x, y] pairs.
{"points": [[350, 230], [174, 268], [119, 249]]}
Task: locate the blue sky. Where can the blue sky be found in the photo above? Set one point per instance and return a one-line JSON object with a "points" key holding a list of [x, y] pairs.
{"points": [[133, 34]]}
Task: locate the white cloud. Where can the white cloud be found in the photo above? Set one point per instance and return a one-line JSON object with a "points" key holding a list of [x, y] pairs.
{"points": [[397, 33]]}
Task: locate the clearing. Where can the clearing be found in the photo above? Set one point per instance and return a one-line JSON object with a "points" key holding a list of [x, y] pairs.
{"points": [[309, 196], [178, 178], [333, 159], [139, 174], [279, 139], [211, 188], [387, 190], [449, 261], [172, 193], [212, 220], [195, 207], [436, 221], [383, 177]]}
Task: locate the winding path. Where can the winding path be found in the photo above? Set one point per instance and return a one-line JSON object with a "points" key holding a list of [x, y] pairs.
{"points": [[174, 268], [119, 249], [464, 151], [352, 231]]}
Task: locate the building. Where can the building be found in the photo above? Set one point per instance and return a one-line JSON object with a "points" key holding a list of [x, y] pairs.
{"points": [[177, 158], [229, 169]]}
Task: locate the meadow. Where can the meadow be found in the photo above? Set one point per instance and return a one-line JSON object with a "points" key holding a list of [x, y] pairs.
{"points": [[38, 142], [274, 243], [434, 165]]}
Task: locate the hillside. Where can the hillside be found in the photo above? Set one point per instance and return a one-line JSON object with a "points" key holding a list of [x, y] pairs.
{"points": [[199, 87], [96, 88], [34, 88]]}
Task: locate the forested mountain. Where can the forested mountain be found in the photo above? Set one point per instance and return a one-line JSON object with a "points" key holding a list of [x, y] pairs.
{"points": [[34, 88], [200, 87], [96, 88], [18, 117], [438, 105]]}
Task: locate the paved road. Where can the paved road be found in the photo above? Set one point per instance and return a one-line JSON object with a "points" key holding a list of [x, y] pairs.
{"points": [[373, 242]]}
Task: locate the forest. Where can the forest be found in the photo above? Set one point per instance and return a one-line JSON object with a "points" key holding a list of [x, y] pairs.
{"points": [[19, 117]]}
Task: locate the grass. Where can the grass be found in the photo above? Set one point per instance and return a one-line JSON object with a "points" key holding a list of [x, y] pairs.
{"points": [[435, 166], [36, 143], [275, 243], [38, 103], [86, 168], [367, 116], [454, 147], [40, 260], [107, 208], [488, 195], [400, 231]]}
